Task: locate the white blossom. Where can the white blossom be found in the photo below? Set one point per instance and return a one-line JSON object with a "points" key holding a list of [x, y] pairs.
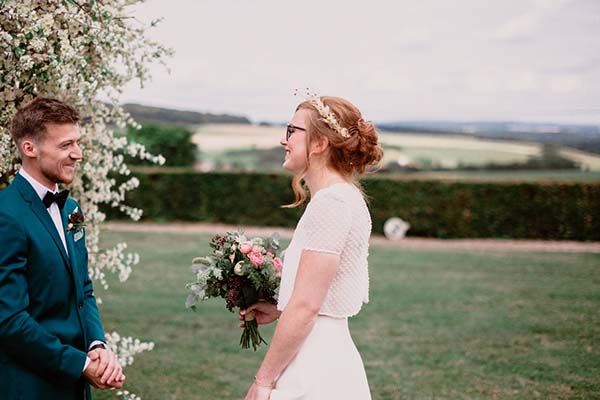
{"points": [[82, 52], [126, 347], [125, 395]]}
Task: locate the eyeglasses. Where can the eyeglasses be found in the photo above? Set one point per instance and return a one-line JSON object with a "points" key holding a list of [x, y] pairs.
{"points": [[290, 129]]}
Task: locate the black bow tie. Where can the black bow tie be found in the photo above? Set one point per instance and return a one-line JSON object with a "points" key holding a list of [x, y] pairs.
{"points": [[59, 198]]}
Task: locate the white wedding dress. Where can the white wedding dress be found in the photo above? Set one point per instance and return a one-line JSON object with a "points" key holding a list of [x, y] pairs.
{"points": [[328, 365]]}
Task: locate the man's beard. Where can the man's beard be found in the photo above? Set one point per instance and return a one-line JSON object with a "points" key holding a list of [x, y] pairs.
{"points": [[52, 176]]}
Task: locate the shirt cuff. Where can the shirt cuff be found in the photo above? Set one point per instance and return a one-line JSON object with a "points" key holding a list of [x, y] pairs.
{"points": [[97, 343]]}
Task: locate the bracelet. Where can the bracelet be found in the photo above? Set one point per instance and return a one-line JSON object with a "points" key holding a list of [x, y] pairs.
{"points": [[262, 384]]}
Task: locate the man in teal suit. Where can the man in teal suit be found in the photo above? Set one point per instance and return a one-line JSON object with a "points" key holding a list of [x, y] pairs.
{"points": [[51, 337]]}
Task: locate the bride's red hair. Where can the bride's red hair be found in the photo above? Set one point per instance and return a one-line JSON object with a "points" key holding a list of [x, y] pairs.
{"points": [[351, 156]]}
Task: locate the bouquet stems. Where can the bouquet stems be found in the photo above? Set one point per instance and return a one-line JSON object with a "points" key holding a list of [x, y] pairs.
{"points": [[250, 335]]}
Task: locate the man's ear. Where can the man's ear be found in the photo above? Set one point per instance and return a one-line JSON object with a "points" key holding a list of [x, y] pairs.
{"points": [[28, 148]]}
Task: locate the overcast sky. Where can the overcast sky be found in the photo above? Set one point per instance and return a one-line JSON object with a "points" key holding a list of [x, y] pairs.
{"points": [[524, 60]]}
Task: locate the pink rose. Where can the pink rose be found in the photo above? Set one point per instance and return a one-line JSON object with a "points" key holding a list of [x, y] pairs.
{"points": [[256, 259], [278, 265], [269, 254], [246, 247]]}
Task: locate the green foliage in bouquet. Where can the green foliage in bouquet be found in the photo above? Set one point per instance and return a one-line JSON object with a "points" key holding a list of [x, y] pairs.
{"points": [[241, 271]]}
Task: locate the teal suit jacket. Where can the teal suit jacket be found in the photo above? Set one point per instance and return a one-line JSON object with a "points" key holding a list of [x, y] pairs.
{"points": [[48, 312]]}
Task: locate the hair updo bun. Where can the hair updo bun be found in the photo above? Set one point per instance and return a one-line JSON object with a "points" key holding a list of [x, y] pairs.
{"points": [[362, 148], [351, 155]]}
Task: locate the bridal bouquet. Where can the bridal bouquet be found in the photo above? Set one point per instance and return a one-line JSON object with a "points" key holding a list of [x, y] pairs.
{"points": [[241, 271]]}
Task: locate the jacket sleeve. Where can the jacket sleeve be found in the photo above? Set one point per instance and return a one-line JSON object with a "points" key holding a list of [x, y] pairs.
{"points": [[20, 335], [93, 324]]}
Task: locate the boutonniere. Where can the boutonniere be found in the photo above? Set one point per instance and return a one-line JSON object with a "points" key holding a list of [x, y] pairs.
{"points": [[76, 221]]}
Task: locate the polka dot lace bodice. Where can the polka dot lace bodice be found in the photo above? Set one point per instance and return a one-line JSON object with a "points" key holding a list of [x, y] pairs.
{"points": [[337, 221]]}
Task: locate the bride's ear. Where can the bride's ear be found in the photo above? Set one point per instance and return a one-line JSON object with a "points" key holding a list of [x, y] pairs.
{"points": [[319, 145]]}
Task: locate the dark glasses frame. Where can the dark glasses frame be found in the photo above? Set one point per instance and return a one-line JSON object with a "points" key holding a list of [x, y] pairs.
{"points": [[290, 130]]}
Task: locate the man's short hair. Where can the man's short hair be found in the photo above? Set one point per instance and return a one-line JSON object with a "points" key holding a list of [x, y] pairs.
{"points": [[30, 120]]}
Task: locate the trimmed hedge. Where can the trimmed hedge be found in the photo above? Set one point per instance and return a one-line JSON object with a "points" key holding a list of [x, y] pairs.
{"points": [[433, 208]]}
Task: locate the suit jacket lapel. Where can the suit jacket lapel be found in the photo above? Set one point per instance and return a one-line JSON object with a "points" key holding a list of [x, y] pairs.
{"points": [[41, 213], [68, 237]]}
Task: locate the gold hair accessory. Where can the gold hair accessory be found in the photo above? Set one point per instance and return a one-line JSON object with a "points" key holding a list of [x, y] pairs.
{"points": [[326, 114]]}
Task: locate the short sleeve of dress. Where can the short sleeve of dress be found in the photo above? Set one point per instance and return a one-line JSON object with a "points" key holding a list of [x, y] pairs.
{"points": [[326, 224]]}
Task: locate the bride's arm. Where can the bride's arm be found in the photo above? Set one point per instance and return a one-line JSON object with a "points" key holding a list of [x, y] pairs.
{"points": [[316, 271]]}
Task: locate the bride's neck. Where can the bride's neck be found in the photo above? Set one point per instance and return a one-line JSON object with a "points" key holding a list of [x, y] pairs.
{"points": [[317, 179]]}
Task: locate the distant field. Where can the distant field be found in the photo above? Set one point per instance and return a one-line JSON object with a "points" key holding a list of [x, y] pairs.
{"points": [[444, 151], [591, 161], [223, 137]]}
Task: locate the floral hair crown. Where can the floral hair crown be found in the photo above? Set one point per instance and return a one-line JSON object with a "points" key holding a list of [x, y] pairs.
{"points": [[325, 112]]}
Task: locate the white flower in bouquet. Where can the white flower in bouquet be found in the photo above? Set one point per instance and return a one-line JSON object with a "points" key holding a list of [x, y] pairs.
{"points": [[239, 268]]}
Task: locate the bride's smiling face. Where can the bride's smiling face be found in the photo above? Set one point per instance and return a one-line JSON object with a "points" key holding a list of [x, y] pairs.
{"points": [[295, 143]]}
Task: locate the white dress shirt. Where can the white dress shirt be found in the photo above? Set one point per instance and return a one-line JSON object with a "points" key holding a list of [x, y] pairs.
{"points": [[54, 212]]}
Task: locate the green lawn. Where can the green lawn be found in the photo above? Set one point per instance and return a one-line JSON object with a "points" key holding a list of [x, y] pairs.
{"points": [[440, 325]]}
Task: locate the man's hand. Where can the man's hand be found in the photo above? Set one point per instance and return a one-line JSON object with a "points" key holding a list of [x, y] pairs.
{"points": [[104, 370], [90, 372]]}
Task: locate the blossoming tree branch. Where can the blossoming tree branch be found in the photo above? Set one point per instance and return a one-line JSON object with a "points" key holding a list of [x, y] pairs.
{"points": [[82, 52]]}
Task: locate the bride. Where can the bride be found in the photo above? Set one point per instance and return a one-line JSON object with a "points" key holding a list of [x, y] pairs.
{"points": [[328, 146]]}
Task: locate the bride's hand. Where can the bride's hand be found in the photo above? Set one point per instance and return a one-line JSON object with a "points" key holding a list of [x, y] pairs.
{"points": [[264, 313], [258, 393]]}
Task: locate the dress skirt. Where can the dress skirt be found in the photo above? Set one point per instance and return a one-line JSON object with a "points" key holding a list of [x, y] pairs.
{"points": [[327, 366]]}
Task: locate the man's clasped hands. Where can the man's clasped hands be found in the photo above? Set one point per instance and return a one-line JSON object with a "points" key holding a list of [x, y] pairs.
{"points": [[104, 370]]}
